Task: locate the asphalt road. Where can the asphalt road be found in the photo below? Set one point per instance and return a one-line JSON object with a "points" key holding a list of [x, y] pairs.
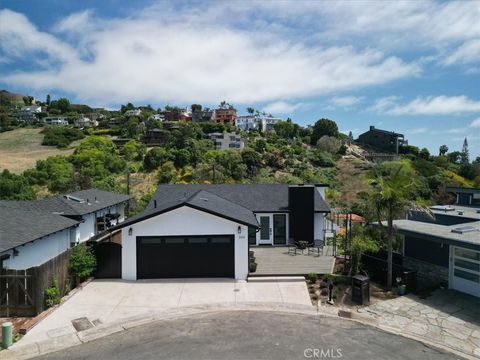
{"points": [[252, 335]]}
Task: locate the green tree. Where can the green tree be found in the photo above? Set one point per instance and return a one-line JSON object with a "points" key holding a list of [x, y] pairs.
{"points": [[362, 242], [167, 173], [155, 158], [62, 104], [324, 127], [82, 262], [47, 101], [250, 110], [15, 187], [442, 151], [252, 160], [389, 198]]}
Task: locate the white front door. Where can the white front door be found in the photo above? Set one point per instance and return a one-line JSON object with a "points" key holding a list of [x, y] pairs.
{"points": [[465, 270], [265, 233]]}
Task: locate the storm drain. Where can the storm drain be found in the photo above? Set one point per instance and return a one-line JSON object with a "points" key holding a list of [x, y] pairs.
{"points": [[82, 324]]}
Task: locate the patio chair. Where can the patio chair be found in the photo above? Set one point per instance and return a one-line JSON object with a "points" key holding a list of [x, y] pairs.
{"points": [[317, 246], [294, 246]]}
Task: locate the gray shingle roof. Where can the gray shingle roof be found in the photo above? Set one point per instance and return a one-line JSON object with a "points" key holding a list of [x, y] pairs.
{"points": [[202, 200], [22, 225], [255, 197]]}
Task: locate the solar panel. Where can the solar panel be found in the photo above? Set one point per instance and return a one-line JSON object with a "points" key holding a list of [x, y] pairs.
{"points": [[464, 229]]}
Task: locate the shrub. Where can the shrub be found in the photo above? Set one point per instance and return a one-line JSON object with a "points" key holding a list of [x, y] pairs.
{"points": [[82, 262], [52, 294], [312, 277], [61, 137]]}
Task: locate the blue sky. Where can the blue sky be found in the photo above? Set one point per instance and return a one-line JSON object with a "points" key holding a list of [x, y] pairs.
{"points": [[412, 67]]}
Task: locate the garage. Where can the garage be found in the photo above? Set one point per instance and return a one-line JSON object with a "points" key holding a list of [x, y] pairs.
{"points": [[185, 256], [465, 270]]}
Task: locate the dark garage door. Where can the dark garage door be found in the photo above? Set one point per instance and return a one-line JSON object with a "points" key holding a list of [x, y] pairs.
{"points": [[185, 256]]}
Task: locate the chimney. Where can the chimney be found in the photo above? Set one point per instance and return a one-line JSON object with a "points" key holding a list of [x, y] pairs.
{"points": [[372, 127], [301, 203]]}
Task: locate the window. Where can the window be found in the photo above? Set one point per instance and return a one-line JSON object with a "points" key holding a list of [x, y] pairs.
{"points": [[148, 241], [198, 240], [221, 240], [279, 229], [467, 254], [466, 275], [174, 240]]}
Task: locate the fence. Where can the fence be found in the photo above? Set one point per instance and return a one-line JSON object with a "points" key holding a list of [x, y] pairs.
{"points": [[22, 291]]}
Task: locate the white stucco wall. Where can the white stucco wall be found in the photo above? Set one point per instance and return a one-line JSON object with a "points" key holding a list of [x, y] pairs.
{"points": [[183, 221], [39, 251], [318, 225], [87, 229]]}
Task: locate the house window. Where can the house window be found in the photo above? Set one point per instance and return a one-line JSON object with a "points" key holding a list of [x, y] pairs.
{"points": [[279, 229], [252, 236]]}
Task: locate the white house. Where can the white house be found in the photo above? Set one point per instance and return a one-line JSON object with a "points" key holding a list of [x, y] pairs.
{"points": [[134, 112], [85, 122], [56, 120], [256, 122], [27, 113], [33, 232], [226, 141], [206, 230]]}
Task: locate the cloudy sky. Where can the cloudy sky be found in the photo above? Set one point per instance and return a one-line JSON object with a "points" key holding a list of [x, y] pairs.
{"points": [[412, 67]]}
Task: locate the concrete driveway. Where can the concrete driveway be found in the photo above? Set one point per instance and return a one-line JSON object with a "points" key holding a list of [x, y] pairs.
{"points": [[106, 301]]}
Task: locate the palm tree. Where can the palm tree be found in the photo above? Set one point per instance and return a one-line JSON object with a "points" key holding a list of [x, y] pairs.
{"points": [[389, 199]]}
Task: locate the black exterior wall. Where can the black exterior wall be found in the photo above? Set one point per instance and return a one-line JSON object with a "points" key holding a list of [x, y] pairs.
{"points": [[302, 210], [428, 251]]}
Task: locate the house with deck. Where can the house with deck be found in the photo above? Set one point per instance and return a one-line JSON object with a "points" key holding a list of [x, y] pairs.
{"points": [[207, 230]]}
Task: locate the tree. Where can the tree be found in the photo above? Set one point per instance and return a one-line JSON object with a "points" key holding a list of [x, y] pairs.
{"points": [[442, 151], [62, 105], [155, 158], [47, 101], [82, 262], [350, 136], [196, 108], [324, 127], [455, 157], [424, 154], [329, 144], [361, 242], [250, 110], [252, 159], [465, 152], [389, 198], [27, 100]]}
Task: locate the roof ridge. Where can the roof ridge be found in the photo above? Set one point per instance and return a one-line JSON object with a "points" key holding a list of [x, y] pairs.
{"points": [[221, 197]]}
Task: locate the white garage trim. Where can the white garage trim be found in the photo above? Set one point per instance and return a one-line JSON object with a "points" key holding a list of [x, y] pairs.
{"points": [[183, 221], [465, 270]]}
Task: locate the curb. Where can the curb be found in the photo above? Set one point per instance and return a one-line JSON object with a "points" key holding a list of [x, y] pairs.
{"points": [[66, 341]]}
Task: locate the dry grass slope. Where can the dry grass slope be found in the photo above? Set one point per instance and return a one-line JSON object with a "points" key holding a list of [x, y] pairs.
{"points": [[21, 148]]}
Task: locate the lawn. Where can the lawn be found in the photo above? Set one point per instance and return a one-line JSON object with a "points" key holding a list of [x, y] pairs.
{"points": [[21, 148]]}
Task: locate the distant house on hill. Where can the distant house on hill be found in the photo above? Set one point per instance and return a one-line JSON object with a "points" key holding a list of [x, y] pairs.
{"points": [[55, 120], [155, 137], [85, 122], [202, 115], [225, 114], [384, 140], [134, 112], [226, 141], [27, 113]]}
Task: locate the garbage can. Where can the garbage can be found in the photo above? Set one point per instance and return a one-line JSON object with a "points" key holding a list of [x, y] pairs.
{"points": [[361, 289], [409, 278]]}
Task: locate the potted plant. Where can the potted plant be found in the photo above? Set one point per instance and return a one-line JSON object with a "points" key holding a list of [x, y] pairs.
{"points": [[252, 267]]}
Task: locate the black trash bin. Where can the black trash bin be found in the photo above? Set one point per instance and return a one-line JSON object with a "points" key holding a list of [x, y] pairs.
{"points": [[361, 289], [409, 278]]}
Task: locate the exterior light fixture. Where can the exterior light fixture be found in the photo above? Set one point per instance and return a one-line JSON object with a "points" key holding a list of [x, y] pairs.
{"points": [[130, 231], [239, 229]]}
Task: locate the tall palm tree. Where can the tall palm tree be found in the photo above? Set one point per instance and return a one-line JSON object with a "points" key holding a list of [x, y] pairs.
{"points": [[390, 198]]}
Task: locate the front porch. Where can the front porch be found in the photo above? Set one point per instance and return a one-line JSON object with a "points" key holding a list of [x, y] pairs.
{"points": [[275, 261]]}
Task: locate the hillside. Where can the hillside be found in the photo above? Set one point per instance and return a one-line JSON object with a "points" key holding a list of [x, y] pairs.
{"points": [[21, 148], [4, 94]]}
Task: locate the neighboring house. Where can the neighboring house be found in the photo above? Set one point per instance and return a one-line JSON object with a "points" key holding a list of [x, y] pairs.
{"points": [[177, 114], [85, 122], [158, 117], [55, 120], [202, 115], [225, 114], [206, 230], [465, 196], [134, 112], [256, 122], [95, 116], [444, 248], [226, 141], [33, 232], [27, 113], [155, 137], [115, 122], [388, 141]]}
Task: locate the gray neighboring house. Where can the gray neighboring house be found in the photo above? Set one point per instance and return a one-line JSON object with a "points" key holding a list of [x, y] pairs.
{"points": [[226, 141], [465, 196], [444, 249], [383, 140], [33, 232]]}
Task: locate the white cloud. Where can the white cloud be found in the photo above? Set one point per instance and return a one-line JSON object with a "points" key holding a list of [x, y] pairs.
{"points": [[155, 58], [282, 107], [75, 23], [418, 131], [432, 105], [469, 52], [475, 123], [346, 101]]}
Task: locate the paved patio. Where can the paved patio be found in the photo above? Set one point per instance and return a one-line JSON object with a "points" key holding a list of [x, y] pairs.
{"points": [[276, 261], [448, 318]]}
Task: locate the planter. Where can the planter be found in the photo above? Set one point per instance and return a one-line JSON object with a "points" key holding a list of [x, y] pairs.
{"points": [[250, 253], [251, 259], [401, 289], [252, 267]]}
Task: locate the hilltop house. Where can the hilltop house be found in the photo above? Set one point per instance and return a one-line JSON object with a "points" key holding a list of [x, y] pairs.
{"points": [[445, 248], [256, 122], [27, 113], [388, 141], [223, 222], [226, 141], [55, 120], [33, 232], [225, 114], [205, 115], [134, 112], [85, 122]]}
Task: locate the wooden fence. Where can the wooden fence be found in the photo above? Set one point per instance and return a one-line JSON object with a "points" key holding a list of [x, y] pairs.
{"points": [[22, 291]]}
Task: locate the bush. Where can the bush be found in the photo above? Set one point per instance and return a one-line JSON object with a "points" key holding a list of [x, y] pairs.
{"points": [[61, 137], [52, 294], [312, 277], [82, 262]]}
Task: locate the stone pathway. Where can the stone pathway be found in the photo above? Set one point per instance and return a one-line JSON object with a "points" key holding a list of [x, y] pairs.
{"points": [[447, 317]]}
